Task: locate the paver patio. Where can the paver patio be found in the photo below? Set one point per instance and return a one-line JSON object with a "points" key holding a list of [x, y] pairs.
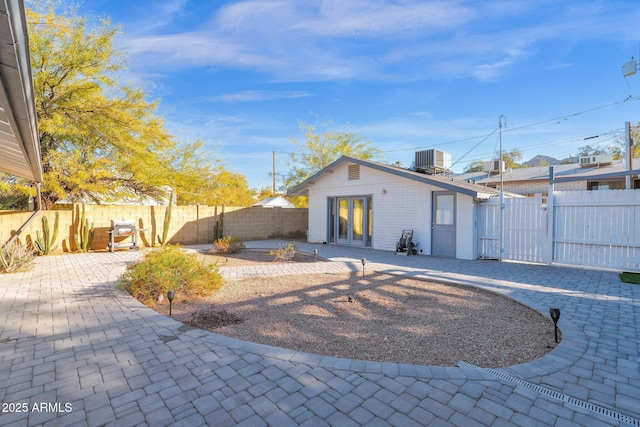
{"points": [[76, 351]]}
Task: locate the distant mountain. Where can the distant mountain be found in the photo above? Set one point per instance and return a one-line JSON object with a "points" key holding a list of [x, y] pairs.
{"points": [[542, 160]]}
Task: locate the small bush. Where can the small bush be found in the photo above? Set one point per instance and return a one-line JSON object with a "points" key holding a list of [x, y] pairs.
{"points": [[287, 252], [15, 257], [170, 267], [228, 245]]}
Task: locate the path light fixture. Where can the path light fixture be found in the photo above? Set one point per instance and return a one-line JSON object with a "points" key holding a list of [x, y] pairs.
{"points": [[364, 261], [315, 254], [171, 295], [555, 316]]}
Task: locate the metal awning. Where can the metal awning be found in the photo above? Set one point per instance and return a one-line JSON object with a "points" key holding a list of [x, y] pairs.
{"points": [[19, 143]]}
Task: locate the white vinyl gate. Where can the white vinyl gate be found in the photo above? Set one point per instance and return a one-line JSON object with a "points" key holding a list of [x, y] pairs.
{"points": [[586, 228], [525, 229]]}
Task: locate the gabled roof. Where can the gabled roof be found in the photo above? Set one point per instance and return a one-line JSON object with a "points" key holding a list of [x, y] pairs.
{"points": [[276, 201], [19, 142], [541, 173], [446, 183]]}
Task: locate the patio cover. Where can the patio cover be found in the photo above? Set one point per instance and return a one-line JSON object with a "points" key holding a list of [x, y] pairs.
{"points": [[19, 143]]}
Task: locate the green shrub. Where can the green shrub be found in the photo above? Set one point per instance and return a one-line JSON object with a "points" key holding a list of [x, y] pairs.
{"points": [[628, 277], [228, 245], [286, 252], [170, 267], [15, 257]]}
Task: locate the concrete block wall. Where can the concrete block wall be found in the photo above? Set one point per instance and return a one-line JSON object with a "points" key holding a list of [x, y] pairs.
{"points": [[189, 224], [257, 223]]}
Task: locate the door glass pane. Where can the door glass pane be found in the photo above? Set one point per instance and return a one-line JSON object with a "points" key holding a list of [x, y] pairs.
{"points": [[358, 219], [332, 220], [444, 209], [343, 219], [370, 220]]}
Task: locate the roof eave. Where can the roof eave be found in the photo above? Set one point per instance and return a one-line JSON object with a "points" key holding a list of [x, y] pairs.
{"points": [[19, 140], [303, 188]]}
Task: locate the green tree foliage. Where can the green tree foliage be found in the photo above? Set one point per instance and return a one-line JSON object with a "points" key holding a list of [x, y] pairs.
{"points": [[475, 166], [99, 138], [511, 159], [319, 149], [617, 149], [102, 139], [588, 150]]}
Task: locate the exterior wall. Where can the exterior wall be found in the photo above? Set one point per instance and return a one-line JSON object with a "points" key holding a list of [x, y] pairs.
{"points": [[540, 187], [394, 209], [189, 224], [398, 204], [466, 228], [258, 223]]}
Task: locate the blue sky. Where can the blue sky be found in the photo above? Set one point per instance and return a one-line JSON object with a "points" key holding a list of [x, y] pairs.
{"points": [[405, 74]]}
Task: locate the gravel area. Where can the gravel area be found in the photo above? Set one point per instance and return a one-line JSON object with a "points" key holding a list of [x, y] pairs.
{"points": [[379, 317], [251, 257]]}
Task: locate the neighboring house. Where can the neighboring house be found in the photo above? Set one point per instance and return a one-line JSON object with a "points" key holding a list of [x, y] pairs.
{"points": [[274, 202], [534, 181], [363, 203]]}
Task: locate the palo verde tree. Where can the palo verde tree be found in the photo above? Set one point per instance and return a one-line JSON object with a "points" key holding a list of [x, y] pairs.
{"points": [[101, 139], [319, 149]]}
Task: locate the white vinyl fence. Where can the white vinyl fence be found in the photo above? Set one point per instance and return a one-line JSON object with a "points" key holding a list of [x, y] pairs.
{"points": [[586, 228]]}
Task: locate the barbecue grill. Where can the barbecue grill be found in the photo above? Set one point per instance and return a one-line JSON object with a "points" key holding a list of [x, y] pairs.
{"points": [[121, 230]]}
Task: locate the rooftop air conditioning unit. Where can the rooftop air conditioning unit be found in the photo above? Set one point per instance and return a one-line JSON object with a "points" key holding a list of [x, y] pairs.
{"points": [[494, 166], [432, 161], [596, 160]]}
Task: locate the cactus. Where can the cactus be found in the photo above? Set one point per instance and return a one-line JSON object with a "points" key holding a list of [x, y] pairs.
{"points": [[83, 238], [218, 229], [45, 244], [167, 222]]}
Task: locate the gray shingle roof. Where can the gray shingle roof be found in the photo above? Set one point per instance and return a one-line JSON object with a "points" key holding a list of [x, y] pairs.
{"points": [[541, 173]]}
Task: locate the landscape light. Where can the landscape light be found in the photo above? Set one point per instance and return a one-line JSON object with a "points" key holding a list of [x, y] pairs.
{"points": [[171, 295], [555, 316], [315, 254], [364, 261]]}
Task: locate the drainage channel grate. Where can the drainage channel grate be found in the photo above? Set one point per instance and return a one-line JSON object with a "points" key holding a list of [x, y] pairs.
{"points": [[555, 394]]}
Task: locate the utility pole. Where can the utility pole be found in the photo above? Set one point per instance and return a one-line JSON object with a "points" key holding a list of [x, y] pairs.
{"points": [[501, 170], [629, 68], [628, 153], [274, 174]]}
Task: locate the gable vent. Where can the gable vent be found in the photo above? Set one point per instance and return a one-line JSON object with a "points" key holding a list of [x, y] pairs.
{"points": [[354, 172]]}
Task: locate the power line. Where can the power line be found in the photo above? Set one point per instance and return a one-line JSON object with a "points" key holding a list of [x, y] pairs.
{"points": [[474, 147], [558, 119]]}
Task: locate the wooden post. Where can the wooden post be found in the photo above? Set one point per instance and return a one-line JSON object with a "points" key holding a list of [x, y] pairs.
{"points": [[273, 190]]}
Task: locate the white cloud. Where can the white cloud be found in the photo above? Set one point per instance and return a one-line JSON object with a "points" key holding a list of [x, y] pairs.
{"points": [[289, 40], [260, 95]]}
